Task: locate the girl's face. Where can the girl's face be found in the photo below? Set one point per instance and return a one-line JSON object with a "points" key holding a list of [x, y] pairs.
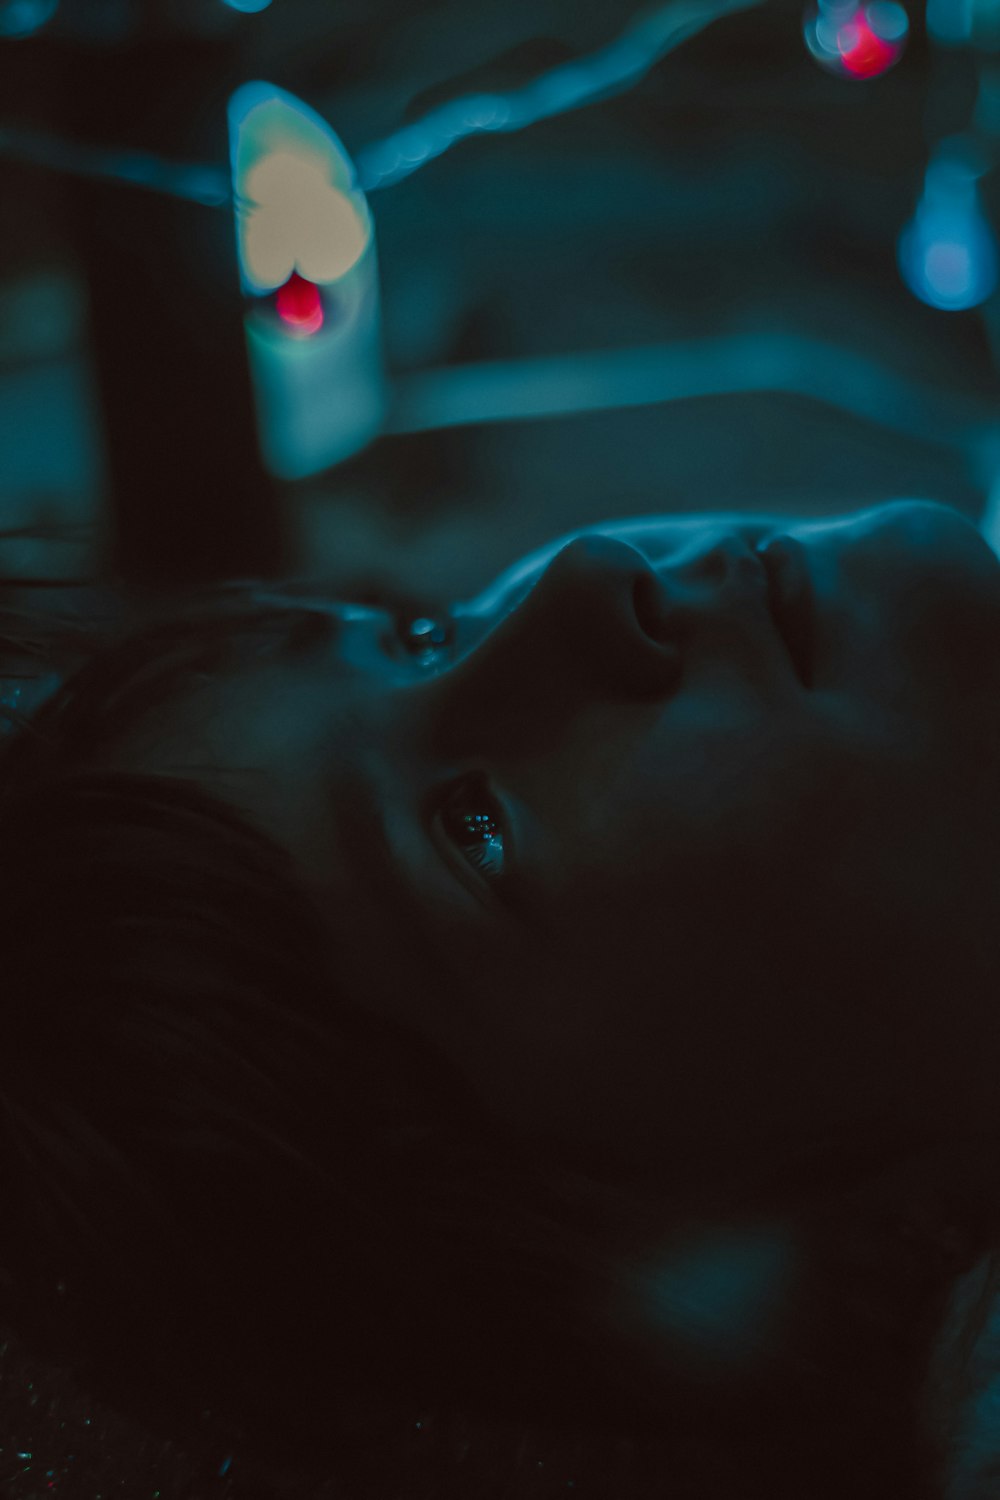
{"points": [[668, 892]]}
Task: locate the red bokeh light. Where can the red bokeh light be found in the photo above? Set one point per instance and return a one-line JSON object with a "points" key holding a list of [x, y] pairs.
{"points": [[862, 52], [299, 305]]}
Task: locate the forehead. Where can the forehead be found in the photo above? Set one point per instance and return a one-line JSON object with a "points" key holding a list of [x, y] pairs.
{"points": [[263, 714], [275, 741]]}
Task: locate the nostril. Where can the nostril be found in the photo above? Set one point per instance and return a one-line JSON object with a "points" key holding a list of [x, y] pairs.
{"points": [[611, 615], [651, 608]]}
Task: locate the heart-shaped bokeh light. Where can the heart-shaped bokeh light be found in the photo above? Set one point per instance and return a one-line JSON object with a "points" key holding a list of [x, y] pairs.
{"points": [[298, 208], [296, 220]]}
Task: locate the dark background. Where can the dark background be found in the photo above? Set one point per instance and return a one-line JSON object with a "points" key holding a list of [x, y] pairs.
{"points": [[737, 194]]}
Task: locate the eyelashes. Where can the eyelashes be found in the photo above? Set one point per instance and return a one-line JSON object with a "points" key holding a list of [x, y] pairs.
{"points": [[424, 640], [470, 820]]}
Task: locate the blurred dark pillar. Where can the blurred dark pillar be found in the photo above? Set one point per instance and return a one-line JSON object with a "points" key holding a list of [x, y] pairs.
{"points": [[190, 500]]}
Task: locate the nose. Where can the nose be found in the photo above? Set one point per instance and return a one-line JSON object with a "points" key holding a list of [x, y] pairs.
{"points": [[599, 625]]}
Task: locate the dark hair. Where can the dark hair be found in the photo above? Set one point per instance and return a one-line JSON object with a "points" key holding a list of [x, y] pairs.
{"points": [[187, 1092], [223, 1179]]}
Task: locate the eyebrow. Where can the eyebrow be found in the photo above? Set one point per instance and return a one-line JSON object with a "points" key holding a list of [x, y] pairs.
{"points": [[154, 662]]}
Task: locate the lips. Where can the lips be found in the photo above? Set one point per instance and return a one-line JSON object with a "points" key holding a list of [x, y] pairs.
{"points": [[790, 601]]}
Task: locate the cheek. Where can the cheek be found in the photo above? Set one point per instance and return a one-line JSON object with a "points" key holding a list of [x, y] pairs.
{"points": [[648, 1044], [716, 783], [531, 1021], [713, 1027]]}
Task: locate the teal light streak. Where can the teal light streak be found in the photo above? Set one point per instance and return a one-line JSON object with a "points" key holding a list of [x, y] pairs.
{"points": [[599, 75], [585, 80], [611, 380]]}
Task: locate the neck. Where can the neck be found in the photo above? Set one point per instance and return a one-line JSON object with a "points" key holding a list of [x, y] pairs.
{"points": [[826, 1353], [824, 1358]]}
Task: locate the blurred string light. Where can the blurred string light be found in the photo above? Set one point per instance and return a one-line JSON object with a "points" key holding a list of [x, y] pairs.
{"points": [[295, 192], [299, 305], [588, 79], [947, 252], [961, 23], [194, 183], [856, 41], [247, 7], [585, 80], [516, 390], [306, 250], [949, 22]]}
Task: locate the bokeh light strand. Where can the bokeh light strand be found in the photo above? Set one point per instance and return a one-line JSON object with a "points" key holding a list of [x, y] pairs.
{"points": [[590, 79], [586, 80]]}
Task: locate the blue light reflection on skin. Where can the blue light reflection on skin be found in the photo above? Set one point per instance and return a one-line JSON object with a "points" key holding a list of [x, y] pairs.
{"points": [[20, 18], [720, 1300]]}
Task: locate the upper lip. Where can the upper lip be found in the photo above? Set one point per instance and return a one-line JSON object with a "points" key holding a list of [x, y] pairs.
{"points": [[790, 600]]}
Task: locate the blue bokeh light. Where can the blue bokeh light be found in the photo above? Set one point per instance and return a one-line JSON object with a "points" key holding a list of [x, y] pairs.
{"points": [[949, 22], [947, 253], [949, 260], [854, 40]]}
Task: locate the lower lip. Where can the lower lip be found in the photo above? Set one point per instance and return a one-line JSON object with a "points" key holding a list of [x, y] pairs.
{"points": [[791, 600]]}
